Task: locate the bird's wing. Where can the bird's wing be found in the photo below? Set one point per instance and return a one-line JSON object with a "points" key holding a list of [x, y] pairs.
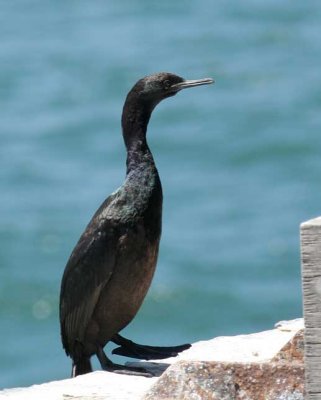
{"points": [[89, 268]]}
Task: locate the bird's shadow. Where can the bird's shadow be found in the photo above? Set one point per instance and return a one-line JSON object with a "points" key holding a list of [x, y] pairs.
{"points": [[156, 369]]}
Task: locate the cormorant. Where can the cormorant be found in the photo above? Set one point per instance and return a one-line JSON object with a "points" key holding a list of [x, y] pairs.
{"points": [[111, 268]]}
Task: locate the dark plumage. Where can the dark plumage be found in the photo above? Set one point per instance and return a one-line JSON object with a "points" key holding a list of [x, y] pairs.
{"points": [[111, 267]]}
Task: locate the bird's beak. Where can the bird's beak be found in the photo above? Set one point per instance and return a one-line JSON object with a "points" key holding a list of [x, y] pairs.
{"points": [[192, 83]]}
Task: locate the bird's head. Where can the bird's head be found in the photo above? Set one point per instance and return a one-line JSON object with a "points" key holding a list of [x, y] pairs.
{"points": [[154, 88], [144, 97]]}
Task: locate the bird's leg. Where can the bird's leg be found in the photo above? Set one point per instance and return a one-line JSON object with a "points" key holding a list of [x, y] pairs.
{"points": [[108, 365], [134, 350]]}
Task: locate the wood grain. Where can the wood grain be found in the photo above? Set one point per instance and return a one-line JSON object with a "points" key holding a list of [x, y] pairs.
{"points": [[311, 285]]}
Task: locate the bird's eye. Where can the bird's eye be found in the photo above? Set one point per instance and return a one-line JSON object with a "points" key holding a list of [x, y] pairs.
{"points": [[167, 84]]}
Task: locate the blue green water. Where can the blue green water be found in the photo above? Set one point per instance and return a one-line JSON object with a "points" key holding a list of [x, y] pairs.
{"points": [[239, 161]]}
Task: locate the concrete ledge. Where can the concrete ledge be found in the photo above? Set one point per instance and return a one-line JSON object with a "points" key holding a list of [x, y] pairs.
{"points": [[265, 365]]}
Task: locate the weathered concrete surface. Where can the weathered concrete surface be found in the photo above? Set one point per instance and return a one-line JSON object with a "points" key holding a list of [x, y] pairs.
{"points": [[199, 380], [280, 377], [244, 367], [98, 385], [293, 351]]}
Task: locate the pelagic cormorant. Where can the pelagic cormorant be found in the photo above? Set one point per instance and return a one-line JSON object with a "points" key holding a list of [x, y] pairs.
{"points": [[111, 268]]}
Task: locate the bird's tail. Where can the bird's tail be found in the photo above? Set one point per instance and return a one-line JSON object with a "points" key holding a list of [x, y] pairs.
{"points": [[81, 366]]}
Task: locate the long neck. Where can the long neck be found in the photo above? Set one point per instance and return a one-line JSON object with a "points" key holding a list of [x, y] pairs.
{"points": [[135, 118]]}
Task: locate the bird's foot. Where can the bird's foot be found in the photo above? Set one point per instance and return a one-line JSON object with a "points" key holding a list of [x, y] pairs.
{"points": [[108, 365], [134, 350]]}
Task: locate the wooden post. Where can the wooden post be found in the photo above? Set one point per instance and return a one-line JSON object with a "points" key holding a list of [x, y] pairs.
{"points": [[311, 282]]}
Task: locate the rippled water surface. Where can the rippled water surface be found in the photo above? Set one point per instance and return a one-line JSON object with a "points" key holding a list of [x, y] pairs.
{"points": [[239, 161]]}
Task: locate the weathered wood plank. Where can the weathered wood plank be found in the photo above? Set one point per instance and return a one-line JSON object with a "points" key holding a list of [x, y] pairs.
{"points": [[311, 351], [311, 286]]}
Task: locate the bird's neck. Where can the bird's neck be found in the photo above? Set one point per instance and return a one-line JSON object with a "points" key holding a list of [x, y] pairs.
{"points": [[135, 119]]}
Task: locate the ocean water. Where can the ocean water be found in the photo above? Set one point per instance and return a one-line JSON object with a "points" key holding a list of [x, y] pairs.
{"points": [[239, 161]]}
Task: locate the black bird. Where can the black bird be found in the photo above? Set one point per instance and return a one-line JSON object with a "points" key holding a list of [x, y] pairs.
{"points": [[111, 268]]}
